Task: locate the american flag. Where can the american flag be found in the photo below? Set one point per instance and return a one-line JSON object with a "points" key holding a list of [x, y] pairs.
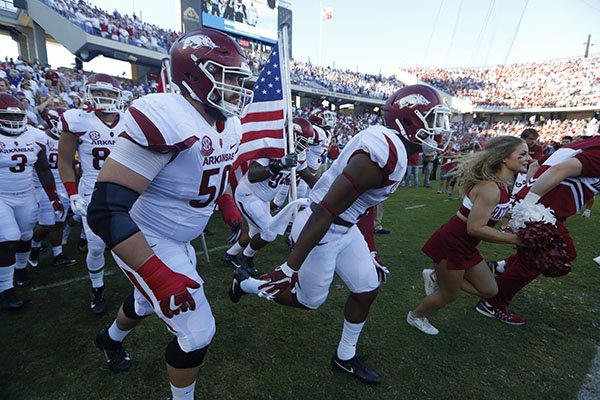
{"points": [[263, 125]]}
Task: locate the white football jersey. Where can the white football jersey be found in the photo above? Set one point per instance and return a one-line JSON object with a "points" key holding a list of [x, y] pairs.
{"points": [[18, 154], [96, 138], [385, 148], [180, 199], [315, 153], [52, 155], [267, 190]]}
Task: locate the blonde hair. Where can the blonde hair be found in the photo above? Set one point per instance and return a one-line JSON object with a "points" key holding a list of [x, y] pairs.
{"points": [[484, 165]]}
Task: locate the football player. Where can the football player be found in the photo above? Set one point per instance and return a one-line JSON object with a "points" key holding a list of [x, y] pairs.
{"points": [[566, 180], [157, 191], [327, 240], [91, 133], [50, 224], [259, 186], [21, 152]]}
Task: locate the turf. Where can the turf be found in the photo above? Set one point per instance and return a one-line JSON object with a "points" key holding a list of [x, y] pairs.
{"points": [[265, 351]]}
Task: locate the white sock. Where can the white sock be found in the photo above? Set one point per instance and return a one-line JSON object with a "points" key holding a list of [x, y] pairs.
{"points": [[249, 251], [186, 393], [97, 278], [36, 245], [66, 232], [235, 249], [56, 250], [117, 334], [251, 285], [21, 260], [500, 267], [347, 347], [6, 277]]}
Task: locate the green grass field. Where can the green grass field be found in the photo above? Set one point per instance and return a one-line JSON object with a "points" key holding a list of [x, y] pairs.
{"points": [[265, 351]]}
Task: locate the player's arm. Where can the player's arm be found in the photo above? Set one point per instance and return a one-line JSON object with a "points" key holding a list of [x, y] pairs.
{"points": [[258, 172], [359, 175], [42, 168], [308, 177], [552, 177], [486, 196], [126, 174], [67, 146]]}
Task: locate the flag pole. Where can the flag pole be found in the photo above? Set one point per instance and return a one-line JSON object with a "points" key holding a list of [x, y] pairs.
{"points": [[166, 65], [321, 33], [285, 74]]}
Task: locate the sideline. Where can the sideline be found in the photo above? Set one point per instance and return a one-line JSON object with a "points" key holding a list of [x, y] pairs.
{"points": [[412, 207], [108, 273], [590, 388]]}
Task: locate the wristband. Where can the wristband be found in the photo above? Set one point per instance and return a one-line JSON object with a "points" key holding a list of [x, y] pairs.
{"points": [[71, 188], [532, 198]]}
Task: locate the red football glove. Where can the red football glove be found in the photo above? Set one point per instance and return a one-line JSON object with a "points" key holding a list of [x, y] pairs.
{"points": [[281, 279], [57, 206], [231, 216], [170, 288]]}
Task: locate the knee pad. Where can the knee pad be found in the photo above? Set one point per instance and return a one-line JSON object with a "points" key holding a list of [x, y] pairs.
{"points": [[129, 308], [96, 248], [178, 358]]}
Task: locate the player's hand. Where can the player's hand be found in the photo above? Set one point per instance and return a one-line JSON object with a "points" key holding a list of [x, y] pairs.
{"points": [[59, 209], [382, 271], [278, 281], [236, 232], [169, 287], [78, 205], [289, 160]]}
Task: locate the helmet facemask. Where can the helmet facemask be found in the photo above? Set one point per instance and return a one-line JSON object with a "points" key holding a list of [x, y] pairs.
{"points": [[436, 124], [14, 126], [216, 97], [102, 103]]}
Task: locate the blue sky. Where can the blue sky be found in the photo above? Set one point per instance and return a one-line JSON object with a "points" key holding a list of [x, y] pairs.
{"points": [[383, 35]]}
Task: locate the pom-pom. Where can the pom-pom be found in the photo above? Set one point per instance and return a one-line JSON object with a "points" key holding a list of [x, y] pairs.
{"points": [[524, 211], [544, 248]]}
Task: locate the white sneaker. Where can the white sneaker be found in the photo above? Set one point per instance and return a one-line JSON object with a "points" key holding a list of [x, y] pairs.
{"points": [[430, 281], [421, 324], [586, 213], [597, 260]]}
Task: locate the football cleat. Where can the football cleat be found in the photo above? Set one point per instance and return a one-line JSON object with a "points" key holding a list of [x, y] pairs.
{"points": [[493, 266], [230, 260], [117, 358], [98, 305], [235, 290], [500, 313], [248, 264], [9, 300], [356, 367], [34, 257], [21, 279], [62, 261]]}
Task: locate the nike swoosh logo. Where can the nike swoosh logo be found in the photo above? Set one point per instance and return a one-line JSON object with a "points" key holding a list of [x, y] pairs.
{"points": [[321, 244], [232, 146], [350, 370], [172, 305]]}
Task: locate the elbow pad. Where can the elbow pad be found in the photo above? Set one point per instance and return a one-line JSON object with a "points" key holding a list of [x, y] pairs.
{"points": [[108, 212]]}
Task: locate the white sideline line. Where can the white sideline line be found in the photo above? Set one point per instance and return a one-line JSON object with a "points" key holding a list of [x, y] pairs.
{"points": [[590, 388], [417, 206], [108, 273]]}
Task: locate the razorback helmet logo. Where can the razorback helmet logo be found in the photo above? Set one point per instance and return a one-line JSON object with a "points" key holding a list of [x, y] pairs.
{"points": [[198, 41], [412, 100], [206, 148]]}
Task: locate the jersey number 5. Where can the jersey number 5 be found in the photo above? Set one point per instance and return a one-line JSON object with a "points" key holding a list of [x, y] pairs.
{"points": [[206, 189]]}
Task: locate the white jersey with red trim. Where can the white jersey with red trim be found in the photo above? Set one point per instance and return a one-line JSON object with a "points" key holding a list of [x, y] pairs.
{"points": [[385, 148], [180, 199], [18, 155], [52, 155], [267, 190], [316, 152], [96, 138]]}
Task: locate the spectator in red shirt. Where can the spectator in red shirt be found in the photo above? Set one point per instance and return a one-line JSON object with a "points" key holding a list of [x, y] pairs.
{"points": [[530, 136], [412, 170]]}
